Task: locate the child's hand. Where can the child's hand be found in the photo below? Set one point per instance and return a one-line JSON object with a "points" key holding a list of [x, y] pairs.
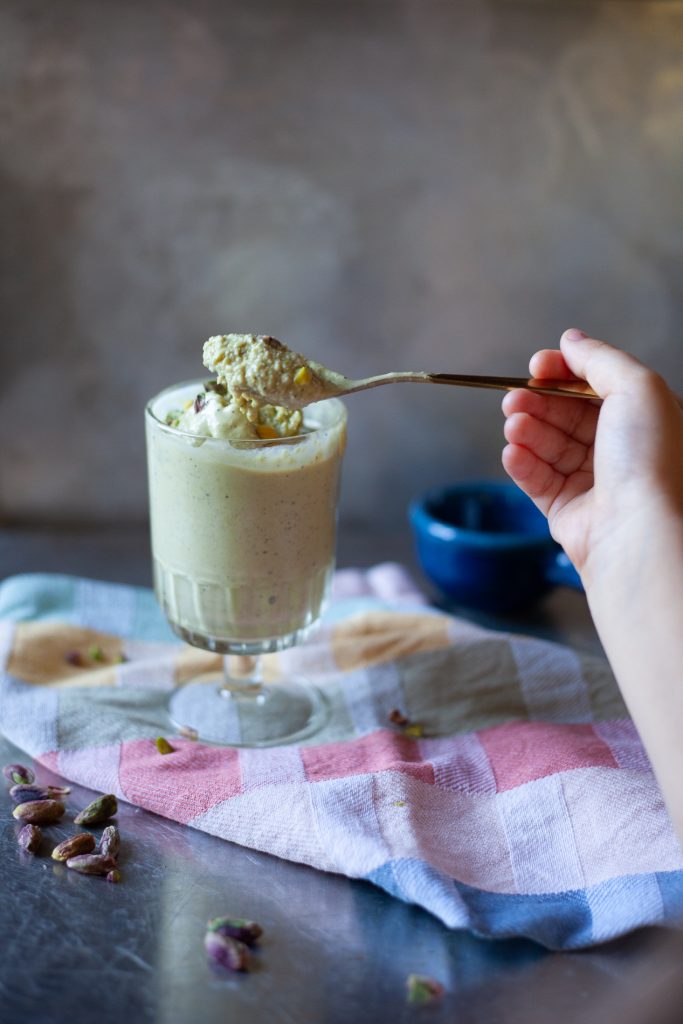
{"points": [[603, 474], [610, 479]]}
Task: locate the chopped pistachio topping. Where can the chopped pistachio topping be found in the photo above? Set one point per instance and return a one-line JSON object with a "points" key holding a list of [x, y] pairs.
{"points": [[422, 989], [260, 390]]}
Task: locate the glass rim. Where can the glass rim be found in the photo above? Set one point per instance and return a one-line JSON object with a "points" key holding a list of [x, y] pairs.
{"points": [[252, 442]]}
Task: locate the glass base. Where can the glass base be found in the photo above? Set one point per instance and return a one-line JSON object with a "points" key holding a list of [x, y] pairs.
{"points": [[261, 716], [216, 645]]}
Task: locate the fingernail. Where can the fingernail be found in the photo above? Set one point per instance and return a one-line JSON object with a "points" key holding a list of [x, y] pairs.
{"points": [[574, 334]]}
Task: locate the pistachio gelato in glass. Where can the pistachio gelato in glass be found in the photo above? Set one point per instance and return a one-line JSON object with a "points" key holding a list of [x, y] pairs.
{"points": [[243, 499]]}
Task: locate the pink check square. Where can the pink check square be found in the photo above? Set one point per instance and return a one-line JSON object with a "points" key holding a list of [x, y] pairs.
{"points": [[520, 752]]}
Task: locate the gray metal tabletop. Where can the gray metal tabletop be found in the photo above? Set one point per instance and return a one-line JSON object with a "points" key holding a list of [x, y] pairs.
{"points": [[333, 949]]}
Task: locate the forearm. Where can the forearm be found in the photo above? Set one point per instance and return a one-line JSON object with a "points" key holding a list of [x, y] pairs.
{"points": [[637, 606]]}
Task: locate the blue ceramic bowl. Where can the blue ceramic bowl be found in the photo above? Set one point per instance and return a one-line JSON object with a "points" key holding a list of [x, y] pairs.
{"points": [[486, 546]]}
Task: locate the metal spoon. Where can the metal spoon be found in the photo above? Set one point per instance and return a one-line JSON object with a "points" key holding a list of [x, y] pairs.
{"points": [[567, 388]]}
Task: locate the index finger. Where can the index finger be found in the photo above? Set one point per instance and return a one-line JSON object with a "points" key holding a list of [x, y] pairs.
{"points": [[575, 416], [550, 364]]}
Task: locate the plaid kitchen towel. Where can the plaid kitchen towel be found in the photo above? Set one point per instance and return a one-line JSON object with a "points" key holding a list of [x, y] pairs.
{"points": [[527, 808]]}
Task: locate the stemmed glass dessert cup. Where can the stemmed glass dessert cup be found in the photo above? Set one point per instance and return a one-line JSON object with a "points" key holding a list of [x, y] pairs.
{"points": [[243, 538]]}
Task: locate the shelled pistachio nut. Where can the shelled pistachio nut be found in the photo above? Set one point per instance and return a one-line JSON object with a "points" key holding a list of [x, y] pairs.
{"points": [[56, 791], [91, 864], [99, 810], [39, 812], [23, 792], [82, 842], [110, 842], [236, 928], [30, 838], [226, 952], [423, 989], [18, 773]]}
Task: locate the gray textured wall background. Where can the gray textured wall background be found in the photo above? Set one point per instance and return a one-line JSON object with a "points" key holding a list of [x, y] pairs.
{"points": [[383, 185]]}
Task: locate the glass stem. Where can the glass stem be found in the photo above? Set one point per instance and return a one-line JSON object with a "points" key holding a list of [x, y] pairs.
{"points": [[242, 676]]}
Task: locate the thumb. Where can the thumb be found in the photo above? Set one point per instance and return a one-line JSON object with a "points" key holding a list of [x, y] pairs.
{"points": [[607, 369]]}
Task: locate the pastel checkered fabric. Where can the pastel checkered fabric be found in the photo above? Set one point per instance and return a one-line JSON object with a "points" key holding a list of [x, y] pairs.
{"points": [[529, 808]]}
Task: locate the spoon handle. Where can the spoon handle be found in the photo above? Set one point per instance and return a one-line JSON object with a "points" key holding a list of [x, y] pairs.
{"points": [[568, 388]]}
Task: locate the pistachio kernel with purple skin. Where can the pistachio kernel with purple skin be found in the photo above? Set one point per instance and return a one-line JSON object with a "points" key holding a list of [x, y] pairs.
{"points": [[114, 876], [30, 837], [226, 952], [23, 792], [236, 928], [19, 774], [91, 864], [74, 846], [39, 812], [99, 810], [199, 402], [423, 989], [110, 842]]}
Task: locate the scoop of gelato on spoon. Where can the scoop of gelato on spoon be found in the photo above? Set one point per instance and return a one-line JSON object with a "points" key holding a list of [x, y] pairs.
{"points": [[258, 370]]}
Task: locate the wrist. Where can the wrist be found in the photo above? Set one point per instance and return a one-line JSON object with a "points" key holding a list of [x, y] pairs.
{"points": [[632, 572]]}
